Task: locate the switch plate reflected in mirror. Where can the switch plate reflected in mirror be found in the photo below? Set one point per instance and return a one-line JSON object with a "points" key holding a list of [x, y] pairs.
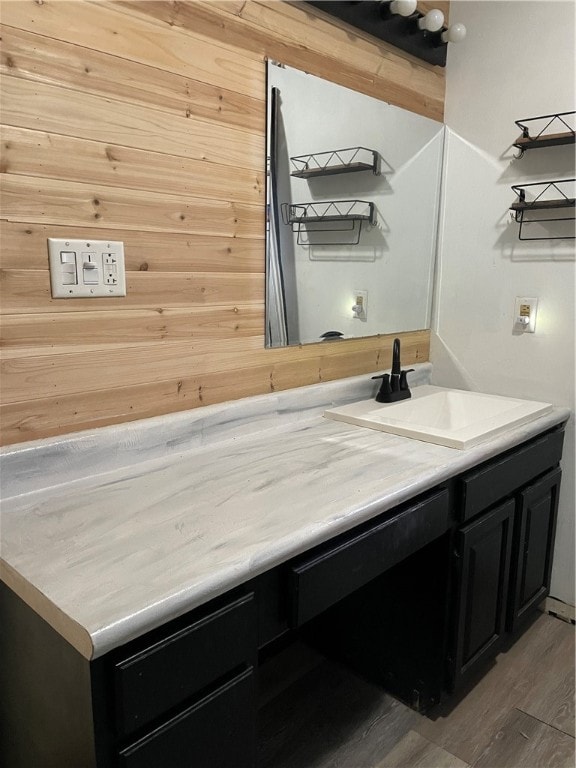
{"points": [[353, 191]]}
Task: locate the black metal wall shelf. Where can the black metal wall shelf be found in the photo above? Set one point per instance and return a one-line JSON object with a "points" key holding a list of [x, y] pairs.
{"points": [[349, 160], [522, 206], [543, 138], [328, 212]]}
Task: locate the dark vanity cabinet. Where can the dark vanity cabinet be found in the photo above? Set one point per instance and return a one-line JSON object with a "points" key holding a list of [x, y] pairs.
{"points": [[376, 600], [482, 553], [180, 696], [188, 698], [341, 567], [416, 599], [503, 551], [537, 508]]}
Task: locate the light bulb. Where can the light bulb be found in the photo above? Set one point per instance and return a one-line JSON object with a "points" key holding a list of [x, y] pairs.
{"points": [[454, 34], [403, 7], [432, 22]]}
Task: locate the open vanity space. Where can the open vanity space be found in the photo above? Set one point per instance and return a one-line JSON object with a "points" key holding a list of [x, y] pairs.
{"points": [[152, 598], [519, 713]]}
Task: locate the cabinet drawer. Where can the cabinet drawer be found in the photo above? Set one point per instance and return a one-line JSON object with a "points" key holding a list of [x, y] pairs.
{"points": [[339, 569], [166, 673], [216, 732], [492, 482]]}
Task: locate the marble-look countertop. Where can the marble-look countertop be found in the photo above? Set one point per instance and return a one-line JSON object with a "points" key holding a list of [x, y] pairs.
{"points": [[112, 533]]}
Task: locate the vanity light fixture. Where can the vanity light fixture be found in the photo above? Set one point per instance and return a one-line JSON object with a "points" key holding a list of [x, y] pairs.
{"points": [[454, 34], [433, 21], [400, 23], [402, 7]]}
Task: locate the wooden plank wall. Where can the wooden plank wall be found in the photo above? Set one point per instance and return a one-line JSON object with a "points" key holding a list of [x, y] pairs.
{"points": [[145, 122]]}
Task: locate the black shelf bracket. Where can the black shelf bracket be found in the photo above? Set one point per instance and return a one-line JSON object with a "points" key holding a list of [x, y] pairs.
{"points": [[558, 130], [524, 209], [322, 216], [349, 160]]}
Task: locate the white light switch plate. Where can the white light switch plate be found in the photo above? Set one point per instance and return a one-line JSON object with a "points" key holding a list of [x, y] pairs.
{"points": [[86, 268]]}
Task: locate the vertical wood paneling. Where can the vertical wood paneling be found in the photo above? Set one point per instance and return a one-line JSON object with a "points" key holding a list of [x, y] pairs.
{"points": [[144, 122]]}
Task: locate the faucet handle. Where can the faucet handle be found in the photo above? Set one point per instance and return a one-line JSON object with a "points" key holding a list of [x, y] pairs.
{"points": [[385, 389], [394, 387], [404, 379]]}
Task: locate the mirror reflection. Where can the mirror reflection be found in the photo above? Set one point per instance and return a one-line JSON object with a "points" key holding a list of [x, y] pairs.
{"points": [[352, 199]]}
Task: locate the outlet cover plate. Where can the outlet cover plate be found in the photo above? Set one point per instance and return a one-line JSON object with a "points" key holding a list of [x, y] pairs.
{"points": [[361, 300], [86, 269], [525, 307]]}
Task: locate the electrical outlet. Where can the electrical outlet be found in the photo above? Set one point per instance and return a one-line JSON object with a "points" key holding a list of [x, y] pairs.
{"points": [[82, 269], [360, 307], [525, 310]]}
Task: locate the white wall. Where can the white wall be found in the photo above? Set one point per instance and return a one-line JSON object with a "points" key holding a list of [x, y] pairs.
{"points": [[517, 62]]}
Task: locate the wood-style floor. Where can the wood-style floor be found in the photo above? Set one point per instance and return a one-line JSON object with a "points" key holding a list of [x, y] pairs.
{"points": [[519, 715]]}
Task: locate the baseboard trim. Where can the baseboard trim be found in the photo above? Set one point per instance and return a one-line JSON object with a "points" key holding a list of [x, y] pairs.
{"points": [[557, 608]]}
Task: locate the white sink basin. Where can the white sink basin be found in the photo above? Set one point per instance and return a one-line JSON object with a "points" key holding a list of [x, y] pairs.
{"points": [[450, 417]]}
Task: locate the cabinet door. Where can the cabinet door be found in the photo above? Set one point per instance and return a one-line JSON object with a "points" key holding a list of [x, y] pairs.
{"points": [[533, 546], [483, 552]]}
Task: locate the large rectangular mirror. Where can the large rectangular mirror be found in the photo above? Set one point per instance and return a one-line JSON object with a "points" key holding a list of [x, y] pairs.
{"points": [[352, 198]]}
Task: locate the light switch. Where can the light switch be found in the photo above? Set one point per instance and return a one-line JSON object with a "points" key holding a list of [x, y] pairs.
{"points": [[90, 276], [90, 272], [86, 269], [69, 274]]}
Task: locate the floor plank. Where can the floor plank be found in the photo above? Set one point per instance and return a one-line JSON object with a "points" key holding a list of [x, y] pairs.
{"points": [[524, 742], [551, 699], [465, 726], [414, 751], [331, 719]]}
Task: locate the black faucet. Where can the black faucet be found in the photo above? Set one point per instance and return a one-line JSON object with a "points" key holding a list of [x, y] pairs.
{"points": [[395, 384]]}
